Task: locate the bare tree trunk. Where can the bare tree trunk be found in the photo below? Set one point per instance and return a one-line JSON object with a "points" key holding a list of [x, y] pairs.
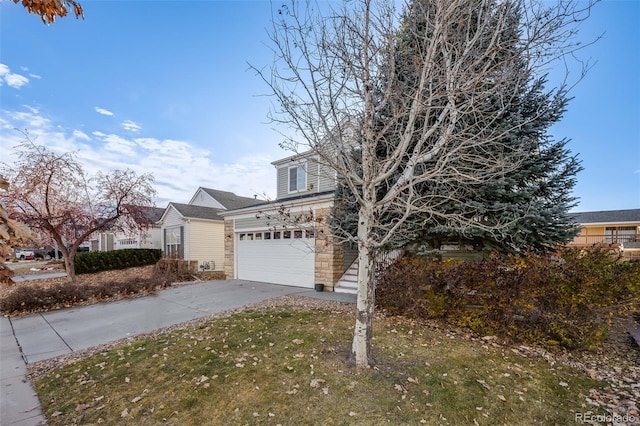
{"points": [[362, 350], [70, 266]]}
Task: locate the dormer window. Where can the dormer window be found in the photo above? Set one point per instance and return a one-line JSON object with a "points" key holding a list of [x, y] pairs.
{"points": [[297, 178]]}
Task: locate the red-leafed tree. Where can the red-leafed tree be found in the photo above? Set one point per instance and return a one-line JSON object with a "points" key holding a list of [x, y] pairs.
{"points": [[53, 195], [49, 10]]}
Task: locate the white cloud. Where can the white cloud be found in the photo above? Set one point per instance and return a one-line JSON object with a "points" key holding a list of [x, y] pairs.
{"points": [[179, 166], [79, 134], [103, 111], [117, 145], [36, 76], [30, 120], [32, 109], [11, 79], [131, 126]]}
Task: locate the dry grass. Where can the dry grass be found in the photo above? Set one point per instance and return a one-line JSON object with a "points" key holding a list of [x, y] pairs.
{"points": [[289, 366]]}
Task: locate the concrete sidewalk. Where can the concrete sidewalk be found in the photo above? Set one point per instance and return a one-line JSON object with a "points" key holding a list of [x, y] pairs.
{"points": [[42, 336]]}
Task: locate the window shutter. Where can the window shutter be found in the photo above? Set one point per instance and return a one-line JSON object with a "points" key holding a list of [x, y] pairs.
{"points": [[164, 240], [182, 242]]}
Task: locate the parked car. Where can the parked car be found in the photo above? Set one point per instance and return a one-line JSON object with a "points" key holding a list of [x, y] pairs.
{"points": [[24, 254]]}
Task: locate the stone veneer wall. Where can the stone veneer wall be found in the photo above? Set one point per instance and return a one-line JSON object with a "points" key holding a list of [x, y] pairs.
{"points": [[329, 256], [229, 251]]}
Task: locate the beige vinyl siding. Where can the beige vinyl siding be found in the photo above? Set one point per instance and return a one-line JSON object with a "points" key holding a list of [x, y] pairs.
{"points": [[592, 230], [206, 242]]}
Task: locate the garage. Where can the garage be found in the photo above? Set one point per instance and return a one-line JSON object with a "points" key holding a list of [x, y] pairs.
{"points": [[277, 257]]}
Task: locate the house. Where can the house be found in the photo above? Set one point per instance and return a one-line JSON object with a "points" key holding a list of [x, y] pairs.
{"points": [[619, 229], [288, 241], [195, 231], [607, 227], [148, 237]]}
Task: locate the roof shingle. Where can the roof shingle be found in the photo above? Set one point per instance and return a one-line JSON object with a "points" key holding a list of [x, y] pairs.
{"points": [[608, 216], [197, 212]]}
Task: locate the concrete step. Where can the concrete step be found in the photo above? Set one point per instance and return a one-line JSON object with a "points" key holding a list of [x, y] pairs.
{"points": [[344, 289]]}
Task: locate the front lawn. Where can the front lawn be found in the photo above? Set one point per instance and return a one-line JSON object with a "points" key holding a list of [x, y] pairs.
{"points": [[288, 366]]}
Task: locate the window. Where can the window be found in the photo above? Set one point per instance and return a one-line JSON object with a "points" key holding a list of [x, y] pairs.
{"points": [[286, 234], [258, 235], [620, 234], [310, 233], [297, 179], [297, 234], [267, 235], [173, 242], [276, 235]]}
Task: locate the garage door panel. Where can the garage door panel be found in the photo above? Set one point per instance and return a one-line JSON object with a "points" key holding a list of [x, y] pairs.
{"points": [[284, 261]]}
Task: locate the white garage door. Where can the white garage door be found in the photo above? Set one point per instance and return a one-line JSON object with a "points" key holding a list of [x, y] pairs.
{"points": [[278, 257]]}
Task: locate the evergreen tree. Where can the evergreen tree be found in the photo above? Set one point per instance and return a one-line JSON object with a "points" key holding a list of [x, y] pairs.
{"points": [[531, 202]]}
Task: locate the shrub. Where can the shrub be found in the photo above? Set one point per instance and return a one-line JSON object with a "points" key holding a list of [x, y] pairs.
{"points": [[36, 298], [175, 269], [567, 300], [97, 261]]}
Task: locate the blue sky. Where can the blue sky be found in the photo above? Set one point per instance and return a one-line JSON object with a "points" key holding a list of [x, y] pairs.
{"points": [[164, 87]]}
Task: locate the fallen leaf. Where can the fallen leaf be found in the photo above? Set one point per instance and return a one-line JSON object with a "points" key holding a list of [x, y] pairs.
{"points": [[484, 384], [124, 413], [502, 398], [315, 383]]}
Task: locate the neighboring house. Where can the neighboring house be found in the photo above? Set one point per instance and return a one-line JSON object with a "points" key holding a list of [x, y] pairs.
{"points": [[149, 237], [260, 245], [195, 231], [619, 229]]}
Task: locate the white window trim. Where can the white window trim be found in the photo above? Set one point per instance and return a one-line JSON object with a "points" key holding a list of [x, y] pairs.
{"points": [[302, 166]]}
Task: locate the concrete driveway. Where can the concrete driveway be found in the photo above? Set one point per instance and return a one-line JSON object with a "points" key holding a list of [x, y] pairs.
{"points": [[38, 337]]}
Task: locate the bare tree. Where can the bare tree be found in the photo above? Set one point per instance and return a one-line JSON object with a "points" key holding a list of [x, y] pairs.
{"points": [[52, 194], [338, 86]]}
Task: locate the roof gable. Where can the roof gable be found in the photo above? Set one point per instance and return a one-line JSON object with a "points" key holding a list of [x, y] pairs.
{"points": [[203, 198]]}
